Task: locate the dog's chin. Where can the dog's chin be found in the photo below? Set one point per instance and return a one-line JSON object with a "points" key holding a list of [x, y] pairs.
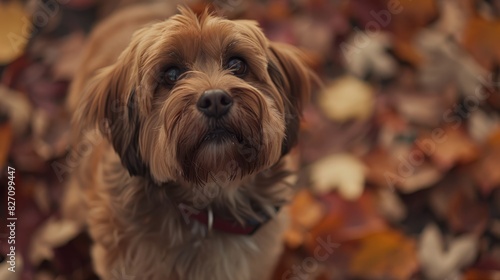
{"points": [[221, 157]]}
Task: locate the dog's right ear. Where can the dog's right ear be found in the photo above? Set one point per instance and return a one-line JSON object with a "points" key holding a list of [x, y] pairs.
{"points": [[109, 103], [294, 79]]}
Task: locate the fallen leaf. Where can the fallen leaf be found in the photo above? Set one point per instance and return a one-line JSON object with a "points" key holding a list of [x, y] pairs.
{"points": [[385, 255], [391, 206], [404, 18], [439, 263], [372, 59], [347, 98], [453, 147], [423, 107], [381, 167], [406, 51], [41, 197], [423, 176], [455, 201], [477, 274], [69, 51], [401, 169], [14, 30], [18, 109], [347, 220], [321, 136], [445, 62], [313, 35], [50, 134], [6, 274], [481, 125], [454, 15], [467, 214], [53, 233], [342, 172], [305, 212], [441, 194], [494, 139], [480, 40], [485, 170], [413, 17], [5, 142]]}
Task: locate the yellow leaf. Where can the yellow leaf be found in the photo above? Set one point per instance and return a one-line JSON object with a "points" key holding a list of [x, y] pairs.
{"points": [[347, 98], [15, 29], [340, 171]]}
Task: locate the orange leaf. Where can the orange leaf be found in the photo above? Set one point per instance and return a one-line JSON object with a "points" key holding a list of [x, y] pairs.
{"points": [[5, 142], [12, 30], [476, 274], [385, 255], [481, 39], [494, 139], [347, 220], [454, 146], [485, 171], [305, 212], [380, 163], [414, 16]]}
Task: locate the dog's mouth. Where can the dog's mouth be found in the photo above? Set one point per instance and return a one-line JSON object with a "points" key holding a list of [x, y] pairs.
{"points": [[220, 134]]}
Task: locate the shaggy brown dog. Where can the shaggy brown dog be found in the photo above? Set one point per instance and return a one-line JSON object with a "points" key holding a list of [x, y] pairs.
{"points": [[186, 174]]}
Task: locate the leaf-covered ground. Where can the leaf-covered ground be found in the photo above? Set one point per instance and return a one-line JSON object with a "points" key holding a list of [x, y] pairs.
{"points": [[400, 148]]}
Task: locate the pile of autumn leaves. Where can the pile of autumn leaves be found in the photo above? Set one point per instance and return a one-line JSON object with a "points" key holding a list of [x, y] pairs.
{"points": [[402, 151]]}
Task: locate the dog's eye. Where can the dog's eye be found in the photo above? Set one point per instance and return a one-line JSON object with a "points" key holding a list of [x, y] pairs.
{"points": [[172, 75], [237, 66]]}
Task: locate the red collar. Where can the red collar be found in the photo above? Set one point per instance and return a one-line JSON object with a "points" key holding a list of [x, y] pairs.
{"points": [[223, 224]]}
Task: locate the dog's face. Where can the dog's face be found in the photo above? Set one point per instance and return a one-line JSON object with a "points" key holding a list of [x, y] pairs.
{"points": [[199, 99]]}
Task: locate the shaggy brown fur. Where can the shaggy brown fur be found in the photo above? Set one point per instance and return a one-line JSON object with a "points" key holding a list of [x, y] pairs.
{"points": [[152, 153]]}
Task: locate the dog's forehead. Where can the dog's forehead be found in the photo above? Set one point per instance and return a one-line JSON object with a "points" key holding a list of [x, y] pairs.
{"points": [[211, 37]]}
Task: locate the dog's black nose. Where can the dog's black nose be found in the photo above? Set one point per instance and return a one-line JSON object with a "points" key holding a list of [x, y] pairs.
{"points": [[214, 103]]}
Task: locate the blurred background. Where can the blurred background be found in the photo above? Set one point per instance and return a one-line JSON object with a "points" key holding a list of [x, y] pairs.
{"points": [[400, 148]]}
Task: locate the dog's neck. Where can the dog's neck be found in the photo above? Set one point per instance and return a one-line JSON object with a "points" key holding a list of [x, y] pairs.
{"points": [[252, 199], [237, 207]]}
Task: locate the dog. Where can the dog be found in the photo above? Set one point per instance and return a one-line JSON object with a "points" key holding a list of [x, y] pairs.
{"points": [[187, 137]]}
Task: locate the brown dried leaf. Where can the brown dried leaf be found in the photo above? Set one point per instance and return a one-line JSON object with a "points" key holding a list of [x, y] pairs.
{"points": [[380, 164], [421, 177], [402, 170], [467, 214], [347, 220], [454, 147]]}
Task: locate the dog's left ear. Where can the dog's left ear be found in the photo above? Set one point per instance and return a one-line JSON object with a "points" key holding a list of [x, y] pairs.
{"points": [[293, 78]]}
